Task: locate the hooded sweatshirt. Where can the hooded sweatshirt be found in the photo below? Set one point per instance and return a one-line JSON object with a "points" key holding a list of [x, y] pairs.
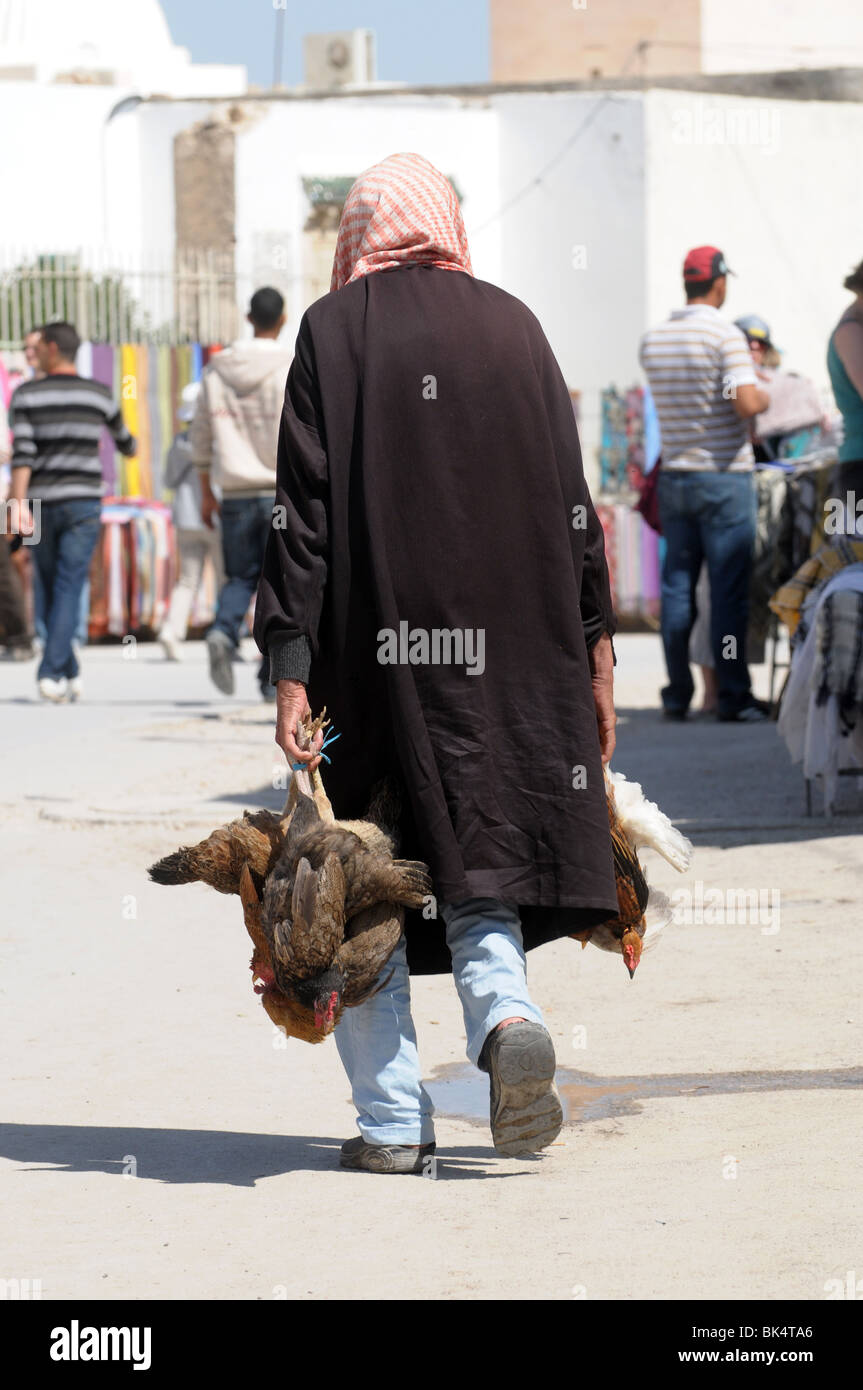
{"points": [[236, 427]]}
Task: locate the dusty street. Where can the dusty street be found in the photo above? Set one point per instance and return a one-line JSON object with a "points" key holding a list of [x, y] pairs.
{"points": [[160, 1140]]}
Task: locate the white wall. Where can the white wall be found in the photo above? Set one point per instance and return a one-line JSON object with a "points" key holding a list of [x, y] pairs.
{"points": [[51, 165], [573, 246], [331, 138], [770, 35], [592, 199], [775, 185]]}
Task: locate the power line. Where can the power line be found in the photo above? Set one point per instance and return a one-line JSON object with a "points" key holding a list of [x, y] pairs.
{"points": [[535, 182]]}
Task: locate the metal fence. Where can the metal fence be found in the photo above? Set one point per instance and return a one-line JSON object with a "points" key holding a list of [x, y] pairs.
{"points": [[190, 296]]}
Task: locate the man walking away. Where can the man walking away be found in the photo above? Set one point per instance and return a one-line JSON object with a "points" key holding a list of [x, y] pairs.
{"points": [[703, 382], [56, 423], [234, 436]]}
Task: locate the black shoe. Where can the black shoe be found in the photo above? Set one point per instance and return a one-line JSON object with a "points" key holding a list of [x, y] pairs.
{"points": [[387, 1158], [677, 716], [753, 712], [524, 1108]]}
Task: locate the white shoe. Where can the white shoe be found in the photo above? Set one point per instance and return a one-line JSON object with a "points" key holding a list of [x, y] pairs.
{"points": [[76, 688], [55, 691], [170, 646]]}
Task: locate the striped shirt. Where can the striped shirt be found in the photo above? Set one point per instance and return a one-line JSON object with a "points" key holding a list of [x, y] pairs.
{"points": [[694, 362], [56, 423]]}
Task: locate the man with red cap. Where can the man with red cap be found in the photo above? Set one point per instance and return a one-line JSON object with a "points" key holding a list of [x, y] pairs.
{"points": [[705, 389]]}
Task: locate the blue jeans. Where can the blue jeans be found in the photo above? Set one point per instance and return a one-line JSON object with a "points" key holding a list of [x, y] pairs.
{"points": [[246, 523], [707, 516], [81, 631], [377, 1041], [62, 557]]}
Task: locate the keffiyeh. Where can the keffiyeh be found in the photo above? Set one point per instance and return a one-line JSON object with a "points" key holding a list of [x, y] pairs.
{"points": [[400, 211]]}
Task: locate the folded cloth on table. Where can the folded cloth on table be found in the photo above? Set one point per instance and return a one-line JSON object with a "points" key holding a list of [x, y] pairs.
{"points": [[787, 603]]}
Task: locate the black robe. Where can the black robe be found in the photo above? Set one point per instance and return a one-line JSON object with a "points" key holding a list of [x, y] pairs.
{"points": [[429, 474]]}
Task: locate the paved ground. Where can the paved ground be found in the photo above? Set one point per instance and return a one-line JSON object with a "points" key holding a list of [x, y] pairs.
{"points": [[159, 1142]]}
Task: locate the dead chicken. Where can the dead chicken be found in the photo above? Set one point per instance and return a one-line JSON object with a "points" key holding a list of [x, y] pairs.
{"points": [[642, 912], [323, 900]]}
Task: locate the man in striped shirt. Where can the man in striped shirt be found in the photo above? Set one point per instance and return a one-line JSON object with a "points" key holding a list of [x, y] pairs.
{"points": [[705, 390], [56, 424]]}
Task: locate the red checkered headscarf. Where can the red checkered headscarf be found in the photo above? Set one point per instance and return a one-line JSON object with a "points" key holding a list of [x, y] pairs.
{"points": [[400, 211]]}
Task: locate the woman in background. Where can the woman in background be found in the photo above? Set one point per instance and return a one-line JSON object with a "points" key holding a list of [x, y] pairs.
{"points": [[845, 365]]}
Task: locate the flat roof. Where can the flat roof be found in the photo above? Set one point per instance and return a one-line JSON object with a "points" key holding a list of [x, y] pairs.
{"points": [[794, 84]]}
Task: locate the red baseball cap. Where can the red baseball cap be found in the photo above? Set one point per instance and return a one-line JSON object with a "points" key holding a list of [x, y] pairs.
{"points": [[705, 263]]}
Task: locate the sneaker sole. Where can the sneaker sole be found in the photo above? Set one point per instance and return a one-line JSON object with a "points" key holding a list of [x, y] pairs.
{"points": [[525, 1110]]}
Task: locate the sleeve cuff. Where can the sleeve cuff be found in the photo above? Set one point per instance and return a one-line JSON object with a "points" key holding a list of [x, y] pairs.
{"points": [[290, 659]]}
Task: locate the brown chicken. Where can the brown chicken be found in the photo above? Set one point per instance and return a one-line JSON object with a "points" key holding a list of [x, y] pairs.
{"points": [[622, 934], [326, 876], [323, 900], [635, 821], [254, 841]]}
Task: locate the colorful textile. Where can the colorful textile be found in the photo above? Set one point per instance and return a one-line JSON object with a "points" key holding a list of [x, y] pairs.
{"points": [[103, 370], [147, 381], [402, 210], [133, 569], [632, 555]]}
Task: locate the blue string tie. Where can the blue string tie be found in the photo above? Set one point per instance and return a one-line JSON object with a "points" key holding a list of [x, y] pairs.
{"points": [[330, 738]]}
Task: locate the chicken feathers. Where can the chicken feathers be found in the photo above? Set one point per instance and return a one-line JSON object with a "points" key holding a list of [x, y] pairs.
{"points": [[642, 912]]}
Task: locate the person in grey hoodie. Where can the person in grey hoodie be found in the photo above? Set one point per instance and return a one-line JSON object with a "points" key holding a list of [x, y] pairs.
{"points": [[234, 436]]}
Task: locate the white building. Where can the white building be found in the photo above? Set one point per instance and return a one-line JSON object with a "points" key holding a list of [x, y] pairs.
{"points": [[581, 202], [579, 197], [66, 66]]}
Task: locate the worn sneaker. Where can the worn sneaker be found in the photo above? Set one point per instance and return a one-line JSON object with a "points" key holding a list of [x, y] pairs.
{"points": [[524, 1108], [385, 1158], [76, 688], [220, 651], [55, 691]]}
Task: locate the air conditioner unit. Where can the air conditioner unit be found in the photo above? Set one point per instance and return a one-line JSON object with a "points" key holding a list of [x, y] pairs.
{"points": [[339, 60]]}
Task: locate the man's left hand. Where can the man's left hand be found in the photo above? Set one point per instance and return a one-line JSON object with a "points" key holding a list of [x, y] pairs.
{"points": [[602, 680]]}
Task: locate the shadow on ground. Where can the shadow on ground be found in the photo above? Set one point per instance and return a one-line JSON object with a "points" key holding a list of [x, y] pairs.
{"points": [[208, 1156], [710, 777]]}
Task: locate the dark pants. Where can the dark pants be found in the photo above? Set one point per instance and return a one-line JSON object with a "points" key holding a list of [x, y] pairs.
{"points": [[246, 523], [13, 611], [69, 534], [707, 516]]}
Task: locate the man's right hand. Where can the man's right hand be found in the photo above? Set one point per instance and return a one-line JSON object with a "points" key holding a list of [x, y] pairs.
{"points": [[292, 705]]}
